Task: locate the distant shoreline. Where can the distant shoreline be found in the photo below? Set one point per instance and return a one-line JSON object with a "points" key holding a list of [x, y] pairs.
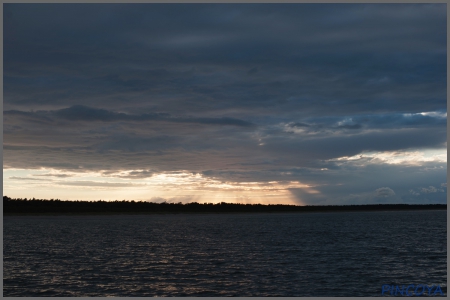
{"points": [[200, 213], [34, 207]]}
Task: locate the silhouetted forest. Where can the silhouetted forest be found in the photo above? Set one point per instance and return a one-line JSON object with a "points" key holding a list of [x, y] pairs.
{"points": [[36, 206]]}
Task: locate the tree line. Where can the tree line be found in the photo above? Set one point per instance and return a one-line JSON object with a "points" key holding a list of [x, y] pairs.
{"points": [[26, 206]]}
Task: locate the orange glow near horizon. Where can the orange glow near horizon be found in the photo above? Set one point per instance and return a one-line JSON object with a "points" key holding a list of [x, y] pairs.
{"points": [[172, 187], [184, 186]]}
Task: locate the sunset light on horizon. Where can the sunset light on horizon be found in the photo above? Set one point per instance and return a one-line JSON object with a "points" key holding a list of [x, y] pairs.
{"points": [[305, 104]]}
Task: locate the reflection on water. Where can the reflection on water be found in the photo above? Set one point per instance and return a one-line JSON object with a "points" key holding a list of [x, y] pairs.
{"points": [[316, 254]]}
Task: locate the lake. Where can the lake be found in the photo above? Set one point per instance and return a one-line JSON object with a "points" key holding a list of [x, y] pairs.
{"points": [[281, 254]]}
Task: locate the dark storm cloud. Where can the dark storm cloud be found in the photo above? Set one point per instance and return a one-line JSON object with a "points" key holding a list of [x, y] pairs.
{"points": [[244, 148], [330, 146], [28, 116], [403, 120], [85, 113], [350, 184], [380, 121], [298, 124], [199, 56], [243, 91], [350, 126]]}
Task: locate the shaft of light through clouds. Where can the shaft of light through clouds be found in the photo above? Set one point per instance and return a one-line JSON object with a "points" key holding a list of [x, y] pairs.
{"points": [[250, 103]]}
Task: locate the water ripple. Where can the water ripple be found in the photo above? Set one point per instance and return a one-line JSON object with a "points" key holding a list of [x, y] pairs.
{"points": [[321, 254]]}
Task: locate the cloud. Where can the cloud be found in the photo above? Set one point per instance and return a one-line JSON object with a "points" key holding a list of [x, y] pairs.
{"points": [[32, 117], [367, 122], [431, 189], [320, 196], [130, 174], [25, 178], [85, 113], [238, 92], [54, 175], [157, 200], [298, 124], [217, 121], [182, 199], [96, 184], [167, 62], [307, 196], [414, 193], [384, 192], [350, 126], [89, 114], [328, 146]]}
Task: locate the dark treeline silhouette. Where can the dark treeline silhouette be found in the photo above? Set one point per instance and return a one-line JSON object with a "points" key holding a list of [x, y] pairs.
{"points": [[27, 206]]}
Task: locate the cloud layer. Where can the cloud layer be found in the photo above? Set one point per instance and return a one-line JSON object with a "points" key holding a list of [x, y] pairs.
{"points": [[326, 95]]}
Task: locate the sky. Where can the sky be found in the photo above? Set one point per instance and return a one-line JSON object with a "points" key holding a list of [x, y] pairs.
{"points": [[305, 104]]}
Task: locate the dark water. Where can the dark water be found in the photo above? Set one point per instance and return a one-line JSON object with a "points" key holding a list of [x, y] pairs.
{"points": [[311, 254]]}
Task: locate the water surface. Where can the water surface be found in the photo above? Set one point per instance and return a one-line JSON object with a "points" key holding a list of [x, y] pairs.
{"points": [[285, 254]]}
